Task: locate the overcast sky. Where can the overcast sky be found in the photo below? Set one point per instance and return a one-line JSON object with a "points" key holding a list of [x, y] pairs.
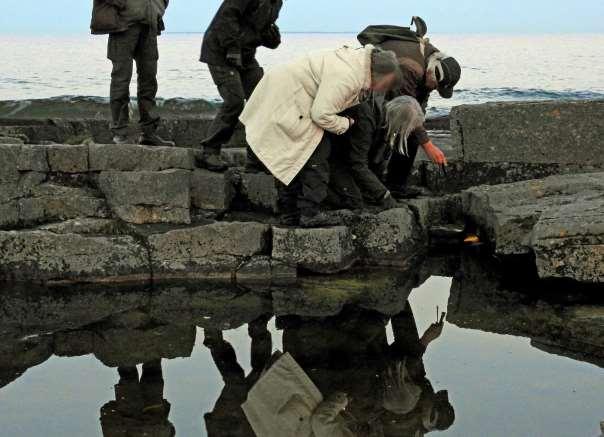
{"points": [[443, 16]]}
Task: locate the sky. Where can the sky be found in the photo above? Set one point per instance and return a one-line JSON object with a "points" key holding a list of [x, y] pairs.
{"points": [[442, 16]]}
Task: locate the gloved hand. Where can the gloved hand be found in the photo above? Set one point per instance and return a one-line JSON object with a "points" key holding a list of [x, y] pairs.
{"points": [[234, 58], [434, 153]]}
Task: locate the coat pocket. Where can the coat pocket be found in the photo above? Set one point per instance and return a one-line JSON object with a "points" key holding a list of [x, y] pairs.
{"points": [[293, 116]]}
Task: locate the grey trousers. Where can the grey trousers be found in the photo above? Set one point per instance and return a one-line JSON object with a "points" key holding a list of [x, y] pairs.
{"points": [[137, 44]]}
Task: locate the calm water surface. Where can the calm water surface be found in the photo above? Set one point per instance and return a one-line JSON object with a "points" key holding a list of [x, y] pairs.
{"points": [[107, 363], [495, 67]]}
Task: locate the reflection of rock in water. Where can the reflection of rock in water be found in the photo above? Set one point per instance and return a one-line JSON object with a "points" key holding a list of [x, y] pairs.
{"points": [[385, 291], [480, 301], [120, 327]]}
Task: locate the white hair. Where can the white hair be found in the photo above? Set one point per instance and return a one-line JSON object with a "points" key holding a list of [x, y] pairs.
{"points": [[403, 116]]}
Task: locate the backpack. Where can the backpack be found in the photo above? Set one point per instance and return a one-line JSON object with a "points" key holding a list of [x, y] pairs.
{"points": [[377, 34]]}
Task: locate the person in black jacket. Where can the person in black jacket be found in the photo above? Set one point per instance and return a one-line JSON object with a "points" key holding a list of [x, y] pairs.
{"points": [[229, 48], [360, 157]]}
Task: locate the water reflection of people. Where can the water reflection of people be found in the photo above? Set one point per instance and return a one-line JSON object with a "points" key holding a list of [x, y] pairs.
{"points": [[386, 383], [227, 417], [139, 407]]}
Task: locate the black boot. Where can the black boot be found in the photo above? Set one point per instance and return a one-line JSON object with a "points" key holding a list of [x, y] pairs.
{"points": [[316, 219], [152, 139], [211, 160]]}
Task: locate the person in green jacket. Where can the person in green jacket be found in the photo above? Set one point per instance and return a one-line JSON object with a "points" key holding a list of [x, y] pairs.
{"points": [[133, 27]]}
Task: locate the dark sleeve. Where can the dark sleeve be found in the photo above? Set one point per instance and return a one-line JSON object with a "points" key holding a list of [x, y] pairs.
{"points": [[361, 137], [406, 337], [228, 31]]}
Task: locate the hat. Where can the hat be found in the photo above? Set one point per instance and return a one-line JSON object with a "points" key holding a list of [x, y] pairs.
{"points": [[450, 73]]}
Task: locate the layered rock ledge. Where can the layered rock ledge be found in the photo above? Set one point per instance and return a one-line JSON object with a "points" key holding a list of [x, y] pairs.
{"points": [[102, 212]]}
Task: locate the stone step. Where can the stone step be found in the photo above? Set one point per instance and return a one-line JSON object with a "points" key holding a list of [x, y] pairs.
{"points": [[559, 220], [548, 132]]}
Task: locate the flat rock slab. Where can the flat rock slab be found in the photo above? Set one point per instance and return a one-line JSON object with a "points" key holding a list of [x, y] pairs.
{"points": [[388, 238], [84, 226], [569, 241], [461, 175], [211, 190], [212, 251], [320, 250], [531, 132], [46, 256], [558, 218], [50, 202], [131, 157], [18, 158], [259, 191], [147, 196], [67, 159]]}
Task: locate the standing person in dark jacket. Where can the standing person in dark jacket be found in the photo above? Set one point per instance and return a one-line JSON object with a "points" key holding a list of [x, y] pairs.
{"points": [[229, 48], [435, 71], [133, 27]]}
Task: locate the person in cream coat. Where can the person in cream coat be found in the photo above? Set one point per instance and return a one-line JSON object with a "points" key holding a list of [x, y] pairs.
{"points": [[295, 108]]}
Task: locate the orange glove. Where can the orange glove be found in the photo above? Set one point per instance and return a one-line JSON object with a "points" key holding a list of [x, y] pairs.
{"points": [[434, 153]]}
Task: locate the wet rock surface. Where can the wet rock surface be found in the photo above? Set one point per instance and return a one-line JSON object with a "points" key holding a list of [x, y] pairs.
{"points": [[46, 256], [212, 251], [321, 250], [558, 219]]}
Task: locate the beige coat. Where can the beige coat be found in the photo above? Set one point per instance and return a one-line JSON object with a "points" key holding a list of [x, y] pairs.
{"points": [[294, 104], [286, 403]]}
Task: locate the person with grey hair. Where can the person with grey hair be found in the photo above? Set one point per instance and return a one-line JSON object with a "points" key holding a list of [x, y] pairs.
{"points": [[361, 156], [294, 112]]}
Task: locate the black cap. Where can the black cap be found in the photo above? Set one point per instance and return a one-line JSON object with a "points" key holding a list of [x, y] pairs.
{"points": [[451, 75]]}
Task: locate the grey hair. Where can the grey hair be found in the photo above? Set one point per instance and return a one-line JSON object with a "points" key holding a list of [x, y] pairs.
{"points": [[383, 63], [403, 116]]}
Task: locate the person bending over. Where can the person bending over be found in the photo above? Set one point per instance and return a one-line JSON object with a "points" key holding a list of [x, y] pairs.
{"points": [[292, 108], [229, 48], [361, 156], [434, 70]]}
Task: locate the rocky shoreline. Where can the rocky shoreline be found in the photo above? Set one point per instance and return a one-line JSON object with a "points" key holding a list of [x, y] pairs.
{"points": [[529, 175]]}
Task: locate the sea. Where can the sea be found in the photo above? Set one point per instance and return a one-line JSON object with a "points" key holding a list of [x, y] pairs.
{"points": [[496, 67]]}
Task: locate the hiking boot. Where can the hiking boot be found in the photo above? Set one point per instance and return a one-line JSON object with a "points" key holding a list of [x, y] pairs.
{"points": [[290, 219], [318, 220], [211, 161], [410, 192], [120, 139], [154, 140], [252, 167]]}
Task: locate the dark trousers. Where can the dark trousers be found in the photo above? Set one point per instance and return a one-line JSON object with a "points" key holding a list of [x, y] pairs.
{"points": [[235, 85], [139, 44], [344, 193], [400, 166], [309, 188]]}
